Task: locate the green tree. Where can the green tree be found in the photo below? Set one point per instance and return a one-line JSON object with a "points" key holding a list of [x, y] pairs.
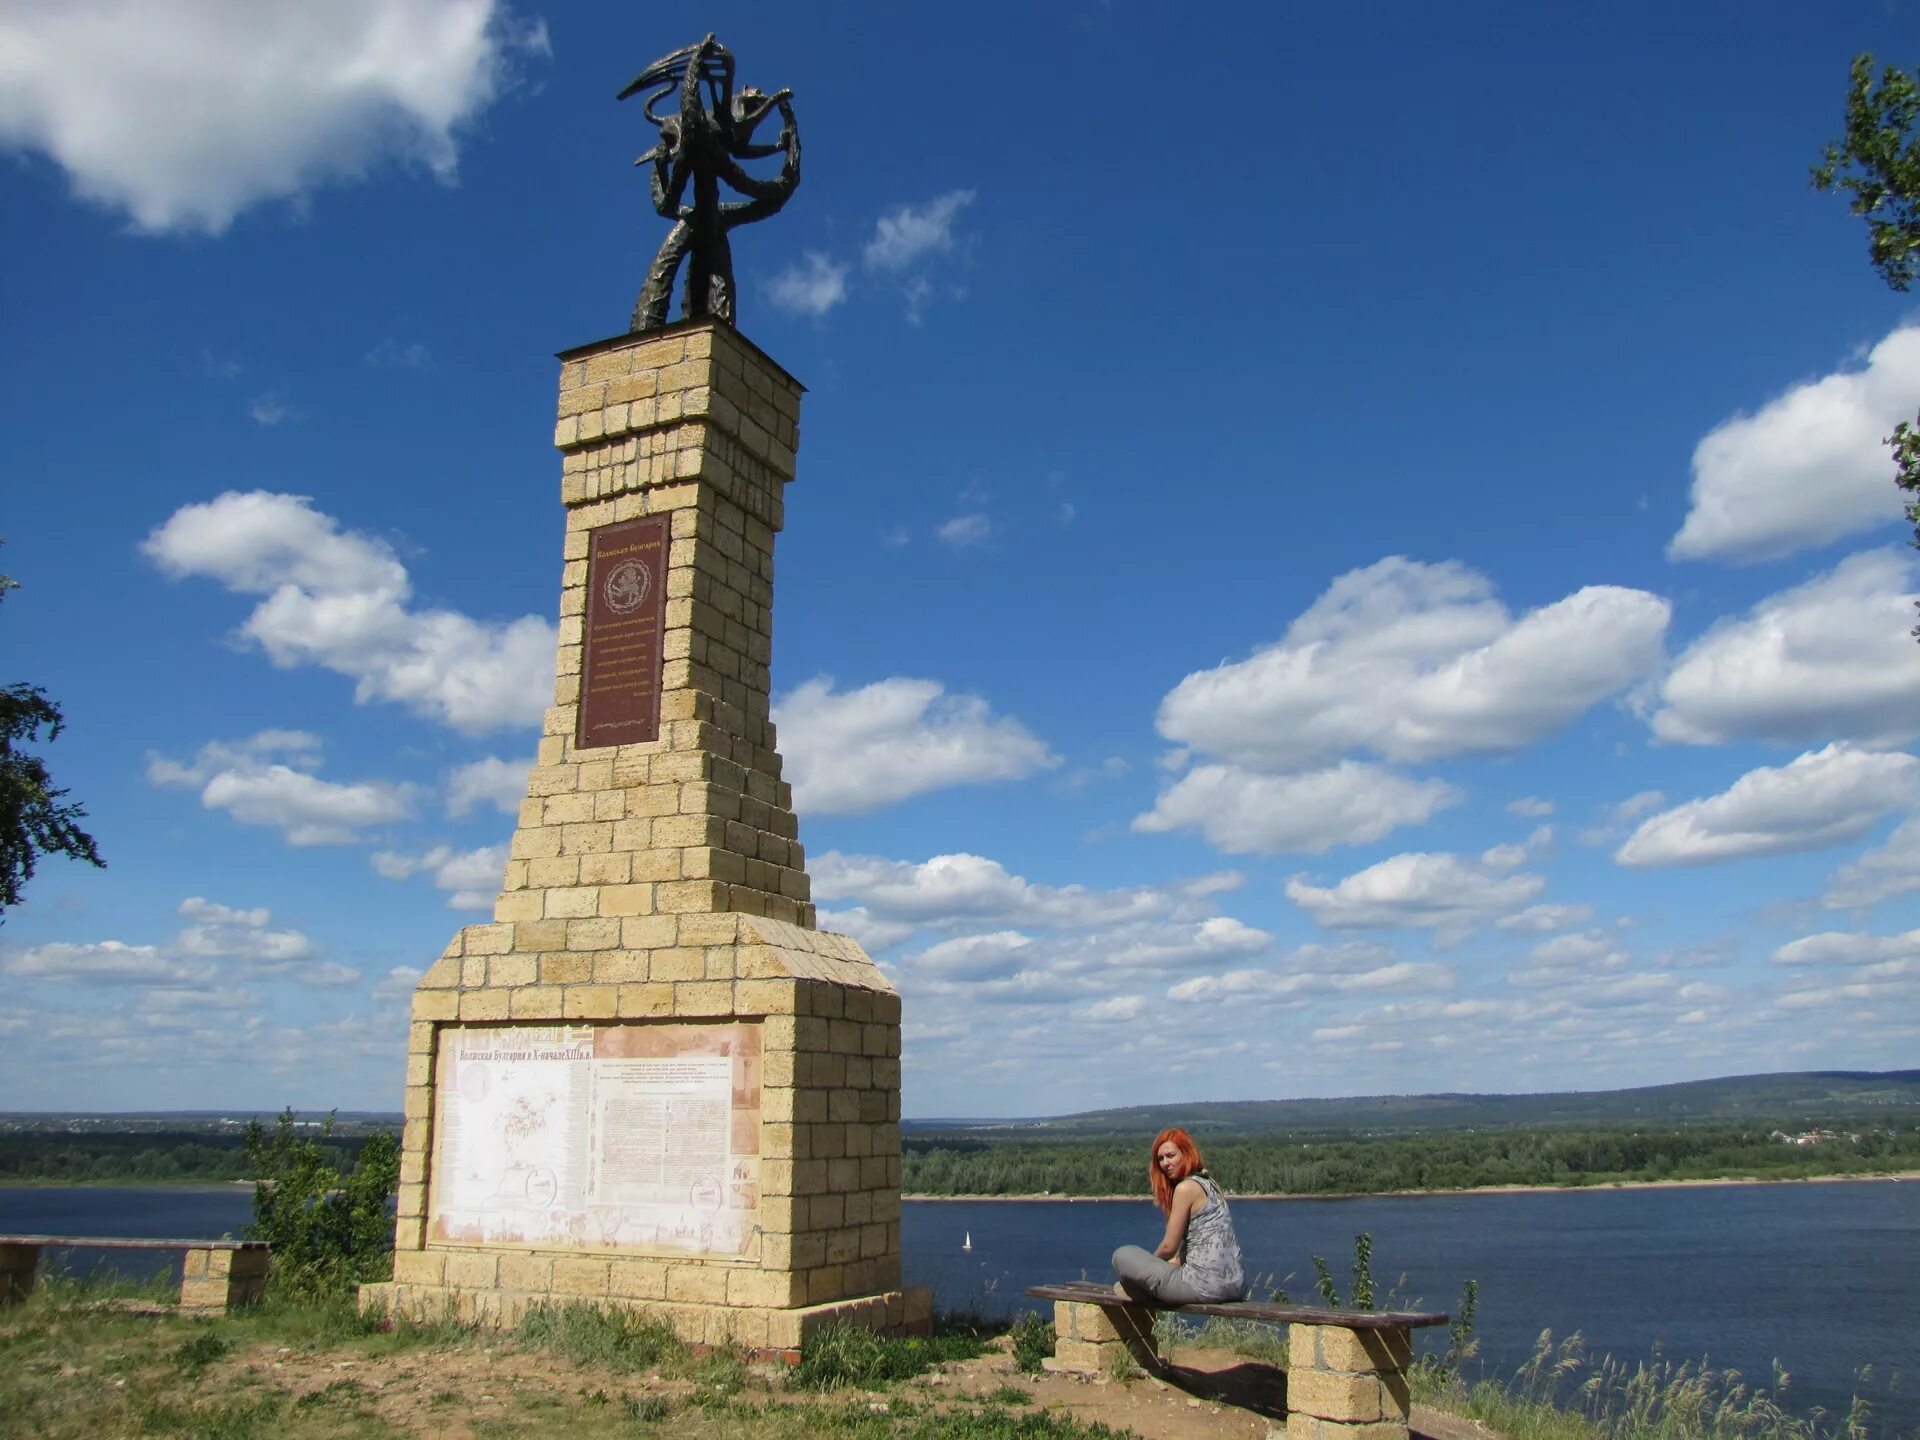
{"points": [[329, 1231], [33, 819], [1877, 162]]}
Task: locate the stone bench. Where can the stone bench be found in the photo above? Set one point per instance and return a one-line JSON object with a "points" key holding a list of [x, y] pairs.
{"points": [[219, 1275], [1346, 1369]]}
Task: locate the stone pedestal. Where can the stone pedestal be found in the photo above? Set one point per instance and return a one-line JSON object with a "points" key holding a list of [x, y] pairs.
{"points": [[1098, 1339], [657, 905], [17, 1266], [214, 1281], [1347, 1384]]}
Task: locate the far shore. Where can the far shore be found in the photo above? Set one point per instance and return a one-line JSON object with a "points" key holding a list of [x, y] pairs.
{"points": [[1142, 1197]]}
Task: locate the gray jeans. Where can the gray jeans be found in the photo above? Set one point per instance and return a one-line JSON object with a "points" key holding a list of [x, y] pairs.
{"points": [[1148, 1277]]}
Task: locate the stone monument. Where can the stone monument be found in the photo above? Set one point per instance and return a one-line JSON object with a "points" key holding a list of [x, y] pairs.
{"points": [[651, 1082]]}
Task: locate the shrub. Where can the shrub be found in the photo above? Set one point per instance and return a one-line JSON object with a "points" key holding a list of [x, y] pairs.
{"points": [[843, 1356], [612, 1340], [329, 1231], [1033, 1341]]}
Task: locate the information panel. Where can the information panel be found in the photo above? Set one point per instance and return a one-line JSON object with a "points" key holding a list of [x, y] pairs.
{"points": [[626, 603], [635, 1139]]}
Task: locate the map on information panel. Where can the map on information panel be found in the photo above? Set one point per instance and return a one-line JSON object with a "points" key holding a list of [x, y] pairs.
{"points": [[622, 1138]]}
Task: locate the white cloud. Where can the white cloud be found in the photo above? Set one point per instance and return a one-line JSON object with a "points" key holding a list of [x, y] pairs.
{"points": [[1840, 947], [1570, 959], [271, 409], [955, 889], [1822, 798], [1807, 467], [811, 286], [1828, 659], [1890, 869], [1541, 918], [107, 962], [186, 113], [1242, 812], [326, 975], [391, 354], [1242, 986], [1415, 662], [1530, 807], [964, 530], [911, 233], [1512, 857], [338, 600], [266, 780], [492, 781], [1115, 1008], [858, 750], [1450, 894], [219, 932], [472, 875]]}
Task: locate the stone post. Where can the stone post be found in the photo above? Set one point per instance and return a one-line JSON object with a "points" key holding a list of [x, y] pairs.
{"points": [[655, 912], [17, 1266], [1347, 1384], [1090, 1339], [216, 1279]]}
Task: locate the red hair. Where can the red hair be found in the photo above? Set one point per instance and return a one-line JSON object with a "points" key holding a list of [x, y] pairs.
{"points": [[1190, 1163]]}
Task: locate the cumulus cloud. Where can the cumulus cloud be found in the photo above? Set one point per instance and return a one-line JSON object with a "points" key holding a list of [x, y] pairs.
{"points": [[1570, 959], [1415, 662], [220, 932], [183, 115], [1841, 947], [492, 781], [338, 599], [267, 779], [1530, 807], [1450, 894], [853, 751], [472, 875], [107, 962], [909, 234], [1828, 659], [1297, 985], [1824, 797], [1806, 468], [1243, 812], [961, 889], [813, 285], [1889, 869], [1539, 919]]}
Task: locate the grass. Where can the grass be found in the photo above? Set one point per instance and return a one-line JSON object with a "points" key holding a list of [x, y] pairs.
{"points": [[1562, 1393], [845, 1357]]}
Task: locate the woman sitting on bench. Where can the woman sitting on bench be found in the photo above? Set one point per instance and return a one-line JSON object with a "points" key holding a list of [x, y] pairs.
{"points": [[1198, 1260]]}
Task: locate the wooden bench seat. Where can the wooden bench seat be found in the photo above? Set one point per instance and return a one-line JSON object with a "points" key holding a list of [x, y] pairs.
{"points": [[217, 1275], [1346, 1369]]}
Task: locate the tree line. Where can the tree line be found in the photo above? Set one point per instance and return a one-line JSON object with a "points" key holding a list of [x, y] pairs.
{"points": [[1363, 1165]]}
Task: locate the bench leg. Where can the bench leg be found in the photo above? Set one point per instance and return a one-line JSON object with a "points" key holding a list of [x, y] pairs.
{"points": [[216, 1281], [1347, 1384], [1091, 1339], [17, 1266]]}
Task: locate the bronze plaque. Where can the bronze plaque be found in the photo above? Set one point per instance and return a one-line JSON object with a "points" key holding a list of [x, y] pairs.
{"points": [[626, 606]]}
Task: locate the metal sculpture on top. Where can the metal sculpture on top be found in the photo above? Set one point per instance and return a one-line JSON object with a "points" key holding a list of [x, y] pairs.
{"points": [[703, 144]]}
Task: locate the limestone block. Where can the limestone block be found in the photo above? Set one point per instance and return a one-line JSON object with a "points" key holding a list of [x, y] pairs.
{"points": [[1331, 1395], [1360, 1350]]}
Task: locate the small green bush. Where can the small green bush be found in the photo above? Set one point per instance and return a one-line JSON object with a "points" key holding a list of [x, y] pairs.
{"points": [[1033, 1340]]}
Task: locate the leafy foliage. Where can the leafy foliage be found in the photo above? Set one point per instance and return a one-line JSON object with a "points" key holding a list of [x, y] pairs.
{"points": [[33, 821], [329, 1231], [1033, 1342], [1878, 164]]}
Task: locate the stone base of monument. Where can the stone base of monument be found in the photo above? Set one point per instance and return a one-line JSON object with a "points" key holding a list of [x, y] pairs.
{"points": [[493, 1305]]}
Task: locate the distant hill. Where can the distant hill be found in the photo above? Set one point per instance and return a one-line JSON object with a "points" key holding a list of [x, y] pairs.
{"points": [[1807, 1096]]}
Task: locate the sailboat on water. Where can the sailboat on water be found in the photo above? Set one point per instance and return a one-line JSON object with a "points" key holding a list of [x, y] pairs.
{"points": [[967, 1243]]}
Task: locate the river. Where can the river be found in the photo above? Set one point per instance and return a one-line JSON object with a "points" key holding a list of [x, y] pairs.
{"points": [[1825, 1278]]}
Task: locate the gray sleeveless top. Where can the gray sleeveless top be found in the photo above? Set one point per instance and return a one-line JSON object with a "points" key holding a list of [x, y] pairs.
{"points": [[1210, 1255]]}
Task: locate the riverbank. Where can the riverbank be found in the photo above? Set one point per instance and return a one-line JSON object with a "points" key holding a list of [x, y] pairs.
{"points": [[1046, 1198]]}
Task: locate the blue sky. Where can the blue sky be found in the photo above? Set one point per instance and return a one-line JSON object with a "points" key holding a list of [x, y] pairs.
{"points": [[1336, 550]]}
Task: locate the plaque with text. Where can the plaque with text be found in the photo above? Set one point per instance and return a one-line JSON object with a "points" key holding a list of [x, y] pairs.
{"points": [[626, 603], [614, 1138]]}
